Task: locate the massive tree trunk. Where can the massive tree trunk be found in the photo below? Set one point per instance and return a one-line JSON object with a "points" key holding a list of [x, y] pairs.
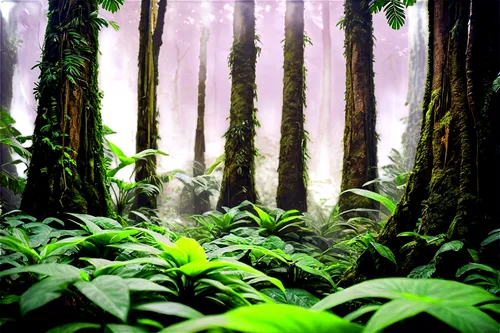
{"points": [[324, 150], [360, 139], [238, 180], [66, 173], [291, 192], [201, 202], [150, 40], [8, 61], [418, 39], [451, 187]]}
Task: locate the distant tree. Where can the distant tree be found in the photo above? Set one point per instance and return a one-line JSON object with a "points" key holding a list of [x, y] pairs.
{"points": [[360, 138], [201, 201], [8, 61], [238, 181], [450, 189], [66, 173], [418, 38], [150, 40], [324, 127], [291, 193]]}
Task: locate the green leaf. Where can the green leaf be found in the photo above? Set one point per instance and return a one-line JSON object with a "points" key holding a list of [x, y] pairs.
{"points": [[292, 296], [473, 266], [44, 292], [108, 292], [60, 270], [14, 244], [115, 328], [170, 309], [496, 84], [466, 319], [114, 25], [396, 288], [455, 245], [193, 250], [136, 284], [494, 236], [423, 272], [395, 14], [393, 312], [384, 251], [136, 247], [269, 318], [388, 203], [73, 327]]}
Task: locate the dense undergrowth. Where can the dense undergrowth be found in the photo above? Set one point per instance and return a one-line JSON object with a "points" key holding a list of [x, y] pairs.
{"points": [[246, 269]]}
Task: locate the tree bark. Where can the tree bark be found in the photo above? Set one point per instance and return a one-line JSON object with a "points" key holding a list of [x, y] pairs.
{"points": [[201, 202], [291, 193], [450, 187], [418, 39], [238, 181], [360, 138], [150, 40], [66, 173], [8, 62]]}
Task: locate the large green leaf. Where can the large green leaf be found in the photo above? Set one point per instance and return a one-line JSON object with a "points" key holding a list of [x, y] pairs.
{"points": [[425, 290], [292, 296], [269, 318], [170, 309], [193, 250], [388, 203], [109, 293], [137, 284], [393, 312], [455, 245], [43, 292], [58, 270], [14, 244], [466, 319]]}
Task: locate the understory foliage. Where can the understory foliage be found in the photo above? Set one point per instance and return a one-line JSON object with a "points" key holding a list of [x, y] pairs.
{"points": [[250, 274]]}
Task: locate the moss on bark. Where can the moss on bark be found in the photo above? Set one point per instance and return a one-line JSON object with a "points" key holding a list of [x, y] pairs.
{"points": [[291, 193], [66, 173], [445, 187], [360, 138], [238, 181], [150, 40]]}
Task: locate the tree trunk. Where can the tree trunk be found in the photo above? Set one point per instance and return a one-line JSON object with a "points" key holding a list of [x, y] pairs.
{"points": [[238, 180], [360, 139], [418, 39], [324, 128], [66, 172], [8, 62], [201, 201], [291, 193], [150, 40], [451, 187]]}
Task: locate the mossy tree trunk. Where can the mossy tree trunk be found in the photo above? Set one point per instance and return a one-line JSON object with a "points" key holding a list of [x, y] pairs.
{"points": [[8, 62], [66, 173], [418, 39], [238, 180], [291, 193], [360, 138], [201, 202], [451, 187], [150, 40], [324, 128]]}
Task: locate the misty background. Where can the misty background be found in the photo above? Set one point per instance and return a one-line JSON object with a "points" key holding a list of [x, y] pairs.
{"points": [[178, 86]]}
